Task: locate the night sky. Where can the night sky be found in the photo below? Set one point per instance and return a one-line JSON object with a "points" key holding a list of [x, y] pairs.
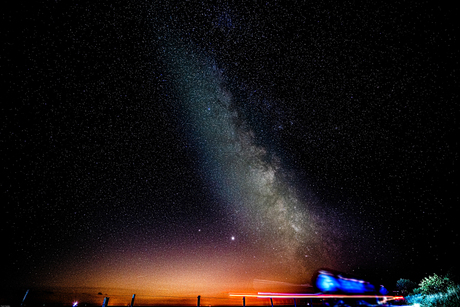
{"points": [[184, 148]]}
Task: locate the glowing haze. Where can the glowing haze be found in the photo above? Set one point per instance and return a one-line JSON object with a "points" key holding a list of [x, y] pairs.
{"points": [[268, 238], [248, 181]]}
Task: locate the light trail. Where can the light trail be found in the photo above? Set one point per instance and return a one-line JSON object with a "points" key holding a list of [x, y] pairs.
{"points": [[243, 295]]}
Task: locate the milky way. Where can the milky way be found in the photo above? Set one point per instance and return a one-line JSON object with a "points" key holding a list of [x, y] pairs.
{"points": [[248, 180]]}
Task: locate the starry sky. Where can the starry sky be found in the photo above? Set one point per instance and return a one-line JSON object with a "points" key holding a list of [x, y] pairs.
{"points": [[184, 148]]}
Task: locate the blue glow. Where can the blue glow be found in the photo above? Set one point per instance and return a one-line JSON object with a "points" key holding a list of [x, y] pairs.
{"points": [[352, 286], [383, 290], [327, 282]]}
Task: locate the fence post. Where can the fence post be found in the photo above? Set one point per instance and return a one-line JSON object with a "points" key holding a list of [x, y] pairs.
{"points": [[27, 292], [106, 302], [271, 301], [198, 302], [132, 300], [244, 301]]}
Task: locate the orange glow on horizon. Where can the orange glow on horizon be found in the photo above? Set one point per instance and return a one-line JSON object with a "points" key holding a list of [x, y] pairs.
{"points": [[119, 298], [303, 295]]}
